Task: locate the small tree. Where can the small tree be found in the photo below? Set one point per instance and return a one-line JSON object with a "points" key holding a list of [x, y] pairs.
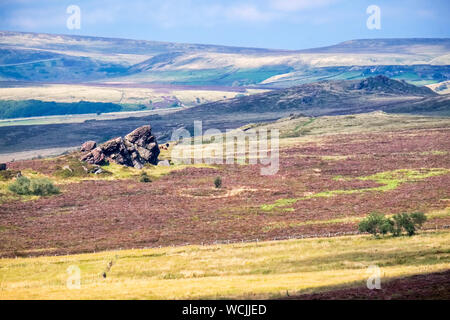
{"points": [[403, 221], [419, 218], [375, 224], [218, 182], [408, 222], [378, 224]]}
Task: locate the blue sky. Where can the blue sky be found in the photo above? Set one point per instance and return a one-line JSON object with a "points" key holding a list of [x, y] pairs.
{"points": [[282, 24]]}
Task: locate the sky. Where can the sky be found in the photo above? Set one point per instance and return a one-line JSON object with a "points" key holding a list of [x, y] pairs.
{"points": [[278, 24]]}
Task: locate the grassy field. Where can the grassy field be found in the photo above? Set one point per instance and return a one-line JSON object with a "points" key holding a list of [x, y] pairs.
{"points": [[250, 270]]}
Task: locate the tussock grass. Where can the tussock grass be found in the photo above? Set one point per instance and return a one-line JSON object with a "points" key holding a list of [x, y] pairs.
{"points": [[253, 270]]}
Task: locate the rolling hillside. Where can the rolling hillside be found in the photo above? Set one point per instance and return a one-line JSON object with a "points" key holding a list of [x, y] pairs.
{"points": [[64, 58], [334, 97], [316, 99]]}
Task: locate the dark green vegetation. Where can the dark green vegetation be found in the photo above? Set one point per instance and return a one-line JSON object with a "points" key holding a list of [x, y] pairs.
{"points": [[408, 222], [377, 223], [218, 182], [35, 108], [144, 178], [35, 186]]}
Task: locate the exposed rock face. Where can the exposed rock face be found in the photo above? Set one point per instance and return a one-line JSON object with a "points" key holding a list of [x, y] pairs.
{"points": [[88, 146], [96, 156], [134, 150]]}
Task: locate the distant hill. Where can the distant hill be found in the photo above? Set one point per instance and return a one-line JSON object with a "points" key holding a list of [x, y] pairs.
{"points": [[331, 97], [394, 45], [322, 98], [69, 58]]}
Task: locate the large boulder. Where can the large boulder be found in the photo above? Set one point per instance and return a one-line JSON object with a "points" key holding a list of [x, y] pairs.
{"points": [[142, 146], [134, 150], [88, 146], [95, 156]]}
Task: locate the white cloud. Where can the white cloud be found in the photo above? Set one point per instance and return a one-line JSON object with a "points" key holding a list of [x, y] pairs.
{"points": [[298, 5], [247, 12]]}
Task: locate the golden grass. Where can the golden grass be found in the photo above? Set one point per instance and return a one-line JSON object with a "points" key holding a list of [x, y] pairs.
{"points": [[117, 172], [253, 270]]}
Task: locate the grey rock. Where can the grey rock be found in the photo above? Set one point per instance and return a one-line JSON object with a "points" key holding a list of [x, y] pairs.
{"points": [[134, 150], [88, 146], [96, 156]]}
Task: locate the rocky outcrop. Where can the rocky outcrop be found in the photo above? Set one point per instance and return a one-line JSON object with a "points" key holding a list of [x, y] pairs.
{"points": [[96, 156], [134, 150], [88, 146]]}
